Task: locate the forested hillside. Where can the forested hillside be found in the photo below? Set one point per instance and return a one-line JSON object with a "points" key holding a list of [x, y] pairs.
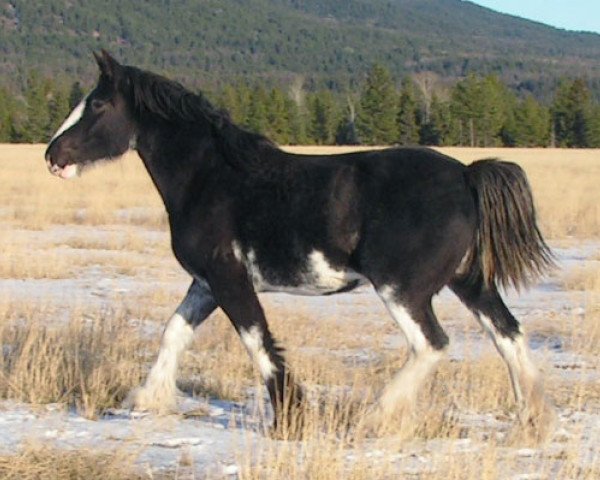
{"points": [[435, 72], [329, 43]]}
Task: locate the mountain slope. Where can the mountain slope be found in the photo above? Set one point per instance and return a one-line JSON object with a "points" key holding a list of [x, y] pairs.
{"points": [[325, 41]]}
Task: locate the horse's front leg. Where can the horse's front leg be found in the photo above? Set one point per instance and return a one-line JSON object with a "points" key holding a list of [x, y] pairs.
{"points": [[159, 392], [235, 294]]}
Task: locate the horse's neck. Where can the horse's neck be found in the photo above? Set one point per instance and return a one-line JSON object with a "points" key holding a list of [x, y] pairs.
{"points": [[170, 166]]}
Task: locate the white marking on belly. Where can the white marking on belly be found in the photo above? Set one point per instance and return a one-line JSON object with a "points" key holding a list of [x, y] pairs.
{"points": [[71, 120], [317, 277], [327, 277]]}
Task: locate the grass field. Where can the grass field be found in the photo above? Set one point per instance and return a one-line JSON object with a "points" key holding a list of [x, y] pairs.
{"points": [[87, 280]]}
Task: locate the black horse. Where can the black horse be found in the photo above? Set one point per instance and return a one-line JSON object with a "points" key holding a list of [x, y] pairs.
{"points": [[246, 217]]}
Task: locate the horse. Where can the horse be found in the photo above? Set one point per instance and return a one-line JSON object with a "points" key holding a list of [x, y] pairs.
{"points": [[247, 217]]}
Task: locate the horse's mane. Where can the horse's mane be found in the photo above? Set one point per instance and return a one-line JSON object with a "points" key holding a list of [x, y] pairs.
{"points": [[171, 101]]}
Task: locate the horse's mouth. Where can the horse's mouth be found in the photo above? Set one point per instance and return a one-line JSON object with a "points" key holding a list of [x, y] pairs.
{"points": [[68, 171]]}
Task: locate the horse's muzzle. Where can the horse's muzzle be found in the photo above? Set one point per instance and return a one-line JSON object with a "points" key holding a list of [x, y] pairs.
{"points": [[67, 171]]}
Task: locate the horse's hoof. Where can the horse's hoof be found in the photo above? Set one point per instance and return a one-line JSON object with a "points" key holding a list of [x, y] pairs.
{"points": [[287, 433], [143, 400], [292, 426], [535, 426], [379, 423]]}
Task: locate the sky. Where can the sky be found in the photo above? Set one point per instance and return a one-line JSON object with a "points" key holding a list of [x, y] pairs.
{"points": [[569, 14]]}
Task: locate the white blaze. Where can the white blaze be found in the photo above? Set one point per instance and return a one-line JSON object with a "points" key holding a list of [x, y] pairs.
{"points": [[71, 120]]}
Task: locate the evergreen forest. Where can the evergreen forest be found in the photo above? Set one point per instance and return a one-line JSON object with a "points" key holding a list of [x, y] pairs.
{"points": [[433, 72], [416, 109]]}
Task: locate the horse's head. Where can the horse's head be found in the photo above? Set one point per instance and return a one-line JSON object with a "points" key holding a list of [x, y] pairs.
{"points": [[100, 127]]}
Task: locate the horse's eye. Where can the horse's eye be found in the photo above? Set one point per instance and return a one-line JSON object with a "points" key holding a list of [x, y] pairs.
{"points": [[97, 104]]}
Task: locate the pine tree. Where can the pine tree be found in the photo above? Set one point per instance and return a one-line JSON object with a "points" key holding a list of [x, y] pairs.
{"points": [[465, 108], [228, 100], [244, 102], [497, 101], [408, 114], [5, 117], [297, 124], [257, 111], [529, 125], [38, 115], [58, 109], [322, 117], [442, 128], [376, 121], [346, 133], [593, 133], [571, 114], [297, 111], [278, 127], [481, 106]]}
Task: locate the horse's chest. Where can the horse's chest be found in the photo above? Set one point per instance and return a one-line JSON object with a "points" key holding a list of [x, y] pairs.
{"points": [[312, 274]]}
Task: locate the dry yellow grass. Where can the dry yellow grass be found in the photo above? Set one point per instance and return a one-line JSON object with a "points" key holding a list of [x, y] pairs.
{"points": [[90, 358], [115, 193], [583, 278], [36, 462], [586, 332], [564, 184], [90, 362]]}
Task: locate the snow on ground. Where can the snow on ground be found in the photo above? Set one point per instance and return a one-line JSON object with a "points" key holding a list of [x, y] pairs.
{"points": [[159, 440], [219, 437]]}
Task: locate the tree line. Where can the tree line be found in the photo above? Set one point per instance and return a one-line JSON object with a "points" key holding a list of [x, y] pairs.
{"points": [[478, 111]]}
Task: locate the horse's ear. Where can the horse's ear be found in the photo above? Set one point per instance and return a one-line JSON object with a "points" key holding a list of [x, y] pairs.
{"points": [[107, 64]]}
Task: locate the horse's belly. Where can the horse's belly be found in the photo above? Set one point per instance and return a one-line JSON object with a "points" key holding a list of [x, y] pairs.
{"points": [[325, 286], [316, 277]]}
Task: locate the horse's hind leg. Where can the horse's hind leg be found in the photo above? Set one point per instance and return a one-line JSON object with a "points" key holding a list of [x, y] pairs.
{"points": [[159, 391], [506, 333], [426, 342]]}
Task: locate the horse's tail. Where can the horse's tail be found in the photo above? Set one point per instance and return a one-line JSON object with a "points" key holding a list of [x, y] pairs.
{"points": [[509, 249]]}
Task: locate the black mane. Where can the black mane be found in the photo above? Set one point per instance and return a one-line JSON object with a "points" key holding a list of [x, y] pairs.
{"points": [[172, 102]]}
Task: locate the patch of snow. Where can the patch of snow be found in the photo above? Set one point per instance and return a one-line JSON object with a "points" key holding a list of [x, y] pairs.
{"points": [[179, 442], [230, 470], [526, 452], [530, 476]]}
